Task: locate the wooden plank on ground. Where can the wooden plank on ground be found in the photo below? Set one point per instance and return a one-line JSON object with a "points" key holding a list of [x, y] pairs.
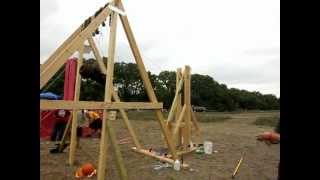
{"points": [[160, 158]]}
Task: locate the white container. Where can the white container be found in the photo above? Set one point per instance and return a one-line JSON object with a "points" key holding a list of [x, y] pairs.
{"points": [[176, 165], [208, 146]]}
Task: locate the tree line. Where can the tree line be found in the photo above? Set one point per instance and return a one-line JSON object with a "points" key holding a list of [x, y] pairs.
{"points": [[205, 91]]}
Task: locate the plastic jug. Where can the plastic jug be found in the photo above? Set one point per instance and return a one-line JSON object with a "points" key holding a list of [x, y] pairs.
{"points": [[176, 165], [208, 147]]}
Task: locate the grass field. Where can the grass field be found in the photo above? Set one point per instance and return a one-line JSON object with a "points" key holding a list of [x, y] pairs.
{"points": [[231, 134]]}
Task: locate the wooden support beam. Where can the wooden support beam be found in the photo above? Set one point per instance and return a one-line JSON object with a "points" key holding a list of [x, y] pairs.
{"points": [[146, 80], [60, 49], [127, 122], [47, 74], [107, 98], [113, 141], [177, 125], [178, 137], [74, 124], [62, 104], [160, 158], [51, 66], [175, 102], [187, 103], [97, 55], [65, 132], [195, 122]]}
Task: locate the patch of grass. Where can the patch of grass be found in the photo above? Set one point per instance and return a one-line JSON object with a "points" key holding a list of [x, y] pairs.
{"points": [[202, 117], [144, 115], [267, 121], [211, 117]]}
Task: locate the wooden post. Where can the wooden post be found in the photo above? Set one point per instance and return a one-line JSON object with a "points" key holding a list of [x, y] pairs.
{"points": [[107, 96], [146, 81], [121, 168], [97, 55], [178, 110], [74, 123], [187, 103], [174, 102]]}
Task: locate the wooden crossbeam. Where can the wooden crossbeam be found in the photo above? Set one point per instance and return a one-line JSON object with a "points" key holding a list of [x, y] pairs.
{"points": [[62, 104]]}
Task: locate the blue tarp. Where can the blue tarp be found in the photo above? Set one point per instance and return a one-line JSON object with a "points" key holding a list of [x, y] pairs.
{"points": [[50, 96]]}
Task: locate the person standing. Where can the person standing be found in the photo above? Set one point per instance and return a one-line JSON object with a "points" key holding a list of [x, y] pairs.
{"points": [[95, 122], [61, 119]]}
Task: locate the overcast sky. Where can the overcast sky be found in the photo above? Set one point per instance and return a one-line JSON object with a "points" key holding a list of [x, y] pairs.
{"points": [[237, 42]]}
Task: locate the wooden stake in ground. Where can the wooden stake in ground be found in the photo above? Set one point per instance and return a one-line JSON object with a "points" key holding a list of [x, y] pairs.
{"points": [[238, 166]]}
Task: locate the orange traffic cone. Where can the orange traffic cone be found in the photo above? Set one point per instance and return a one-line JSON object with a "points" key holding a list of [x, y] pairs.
{"points": [[86, 170]]}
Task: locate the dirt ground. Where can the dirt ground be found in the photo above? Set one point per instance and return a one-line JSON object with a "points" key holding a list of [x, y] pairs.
{"points": [[230, 138]]}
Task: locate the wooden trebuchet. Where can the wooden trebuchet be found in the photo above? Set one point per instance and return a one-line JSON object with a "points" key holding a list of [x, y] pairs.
{"points": [[104, 74], [185, 117]]}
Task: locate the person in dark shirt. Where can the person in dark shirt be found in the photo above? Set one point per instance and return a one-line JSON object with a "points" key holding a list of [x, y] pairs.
{"points": [[62, 117]]}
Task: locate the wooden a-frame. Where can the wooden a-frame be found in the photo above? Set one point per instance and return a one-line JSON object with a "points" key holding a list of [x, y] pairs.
{"points": [[75, 43]]}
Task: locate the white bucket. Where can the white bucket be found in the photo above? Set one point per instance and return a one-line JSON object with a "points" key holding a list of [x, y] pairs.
{"points": [[208, 147], [176, 165]]}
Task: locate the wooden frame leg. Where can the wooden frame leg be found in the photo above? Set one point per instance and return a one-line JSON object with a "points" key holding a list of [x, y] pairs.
{"points": [[74, 123], [107, 97], [146, 81]]}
